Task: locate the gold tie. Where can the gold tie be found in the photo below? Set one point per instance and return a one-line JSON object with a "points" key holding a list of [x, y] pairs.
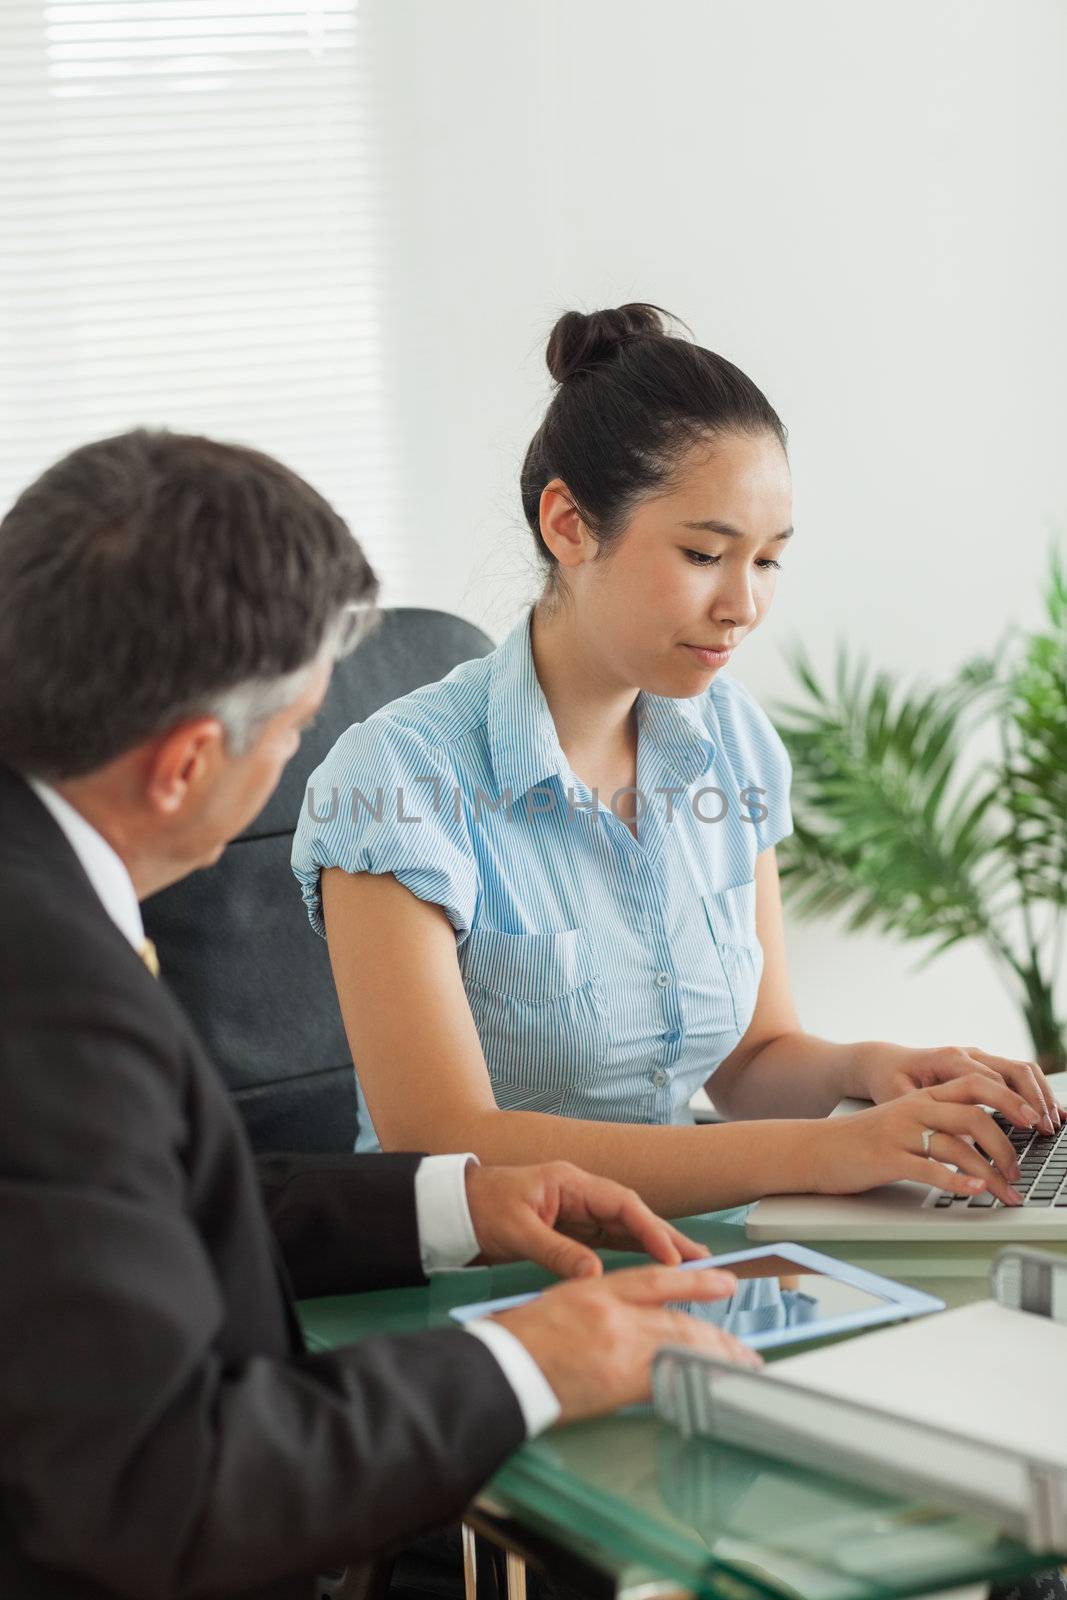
{"points": [[147, 952]]}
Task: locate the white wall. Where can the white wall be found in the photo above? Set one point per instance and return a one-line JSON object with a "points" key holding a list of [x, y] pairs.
{"points": [[861, 205]]}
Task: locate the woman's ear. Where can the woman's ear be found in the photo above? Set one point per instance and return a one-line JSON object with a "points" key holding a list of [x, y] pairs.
{"points": [[562, 526]]}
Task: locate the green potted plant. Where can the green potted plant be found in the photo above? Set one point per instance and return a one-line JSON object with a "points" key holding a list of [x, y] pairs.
{"points": [[892, 825]]}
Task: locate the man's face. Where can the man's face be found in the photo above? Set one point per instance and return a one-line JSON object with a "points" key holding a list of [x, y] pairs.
{"points": [[234, 789]]}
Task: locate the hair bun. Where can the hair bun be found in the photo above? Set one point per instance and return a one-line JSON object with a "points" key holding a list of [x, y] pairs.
{"points": [[581, 339]]}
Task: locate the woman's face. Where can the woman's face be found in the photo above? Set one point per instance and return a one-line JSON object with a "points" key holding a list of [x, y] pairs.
{"points": [[695, 567]]}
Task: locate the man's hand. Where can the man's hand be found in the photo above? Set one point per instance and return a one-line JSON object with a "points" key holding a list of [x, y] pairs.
{"points": [[558, 1215], [895, 1069], [594, 1342]]}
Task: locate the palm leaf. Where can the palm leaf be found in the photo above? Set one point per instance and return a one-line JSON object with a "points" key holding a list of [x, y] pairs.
{"points": [[1034, 771], [890, 829], [873, 834]]}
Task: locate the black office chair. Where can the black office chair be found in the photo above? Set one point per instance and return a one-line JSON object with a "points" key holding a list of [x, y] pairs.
{"points": [[234, 939], [1051, 1585]]}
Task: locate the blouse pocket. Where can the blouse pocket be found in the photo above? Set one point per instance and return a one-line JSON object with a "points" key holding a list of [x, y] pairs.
{"points": [[731, 915], [523, 1097], [536, 1003], [532, 968]]}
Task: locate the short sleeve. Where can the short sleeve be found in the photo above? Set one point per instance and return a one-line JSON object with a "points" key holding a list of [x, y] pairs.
{"points": [[759, 758], [384, 800]]}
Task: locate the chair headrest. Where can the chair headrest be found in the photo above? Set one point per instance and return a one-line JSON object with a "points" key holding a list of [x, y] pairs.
{"points": [[410, 648]]}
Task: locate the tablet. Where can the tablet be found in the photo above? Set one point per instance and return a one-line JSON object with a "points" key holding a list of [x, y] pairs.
{"points": [[786, 1294]]}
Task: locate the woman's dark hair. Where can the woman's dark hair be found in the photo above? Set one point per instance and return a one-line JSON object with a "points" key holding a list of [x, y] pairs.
{"points": [[631, 398], [144, 576]]}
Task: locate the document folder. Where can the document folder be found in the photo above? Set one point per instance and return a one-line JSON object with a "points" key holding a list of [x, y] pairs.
{"points": [[964, 1406]]}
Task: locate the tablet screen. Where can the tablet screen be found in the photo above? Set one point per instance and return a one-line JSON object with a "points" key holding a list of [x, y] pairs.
{"points": [[776, 1293], [786, 1294]]}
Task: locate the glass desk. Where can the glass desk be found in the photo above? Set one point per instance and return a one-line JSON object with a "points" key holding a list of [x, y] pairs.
{"points": [[636, 1509]]}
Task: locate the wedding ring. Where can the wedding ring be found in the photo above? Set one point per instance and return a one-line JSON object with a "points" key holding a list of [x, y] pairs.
{"points": [[928, 1134]]}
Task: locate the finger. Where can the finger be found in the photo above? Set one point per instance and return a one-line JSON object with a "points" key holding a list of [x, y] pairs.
{"points": [[976, 1089], [950, 1062], [1020, 1076], [971, 1122], [965, 1068], [654, 1235], [615, 1207], [1028, 1079], [566, 1257], [688, 1249], [737, 1350], [680, 1328], [657, 1285], [684, 1248], [944, 1147], [922, 1169]]}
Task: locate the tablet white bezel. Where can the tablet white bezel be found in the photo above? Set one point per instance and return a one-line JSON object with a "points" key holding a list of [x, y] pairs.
{"points": [[899, 1303]]}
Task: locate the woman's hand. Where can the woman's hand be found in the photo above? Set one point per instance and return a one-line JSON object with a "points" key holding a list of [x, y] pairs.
{"points": [[892, 1070], [559, 1216], [885, 1143]]}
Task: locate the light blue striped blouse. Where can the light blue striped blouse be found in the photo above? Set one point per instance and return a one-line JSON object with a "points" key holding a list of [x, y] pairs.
{"points": [[608, 976]]}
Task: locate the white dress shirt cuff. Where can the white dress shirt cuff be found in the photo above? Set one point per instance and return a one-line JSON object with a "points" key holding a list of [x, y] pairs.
{"points": [[446, 1232], [536, 1397]]}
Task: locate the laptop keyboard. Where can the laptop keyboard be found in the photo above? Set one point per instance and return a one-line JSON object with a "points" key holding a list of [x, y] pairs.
{"points": [[1042, 1179]]}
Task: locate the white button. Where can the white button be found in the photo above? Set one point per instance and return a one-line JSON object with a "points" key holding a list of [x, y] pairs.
{"points": [[659, 1077], [635, 863], [664, 980]]}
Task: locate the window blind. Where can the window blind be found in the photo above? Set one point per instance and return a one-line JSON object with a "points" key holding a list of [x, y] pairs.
{"points": [[191, 215]]}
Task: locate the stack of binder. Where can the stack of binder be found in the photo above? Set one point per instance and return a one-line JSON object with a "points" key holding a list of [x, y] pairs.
{"points": [[964, 1406]]}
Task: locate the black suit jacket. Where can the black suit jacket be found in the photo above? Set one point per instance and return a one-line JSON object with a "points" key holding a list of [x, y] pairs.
{"points": [[163, 1431]]}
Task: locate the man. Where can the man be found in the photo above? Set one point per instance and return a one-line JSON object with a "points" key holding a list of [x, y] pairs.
{"points": [[170, 609]]}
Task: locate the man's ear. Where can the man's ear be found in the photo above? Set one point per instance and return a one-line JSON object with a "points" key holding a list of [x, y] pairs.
{"points": [[184, 762]]}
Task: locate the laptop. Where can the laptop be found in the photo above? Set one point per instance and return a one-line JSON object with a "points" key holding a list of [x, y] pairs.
{"points": [[916, 1211]]}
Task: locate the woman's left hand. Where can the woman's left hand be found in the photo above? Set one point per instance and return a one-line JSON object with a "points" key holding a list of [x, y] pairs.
{"points": [[896, 1069]]}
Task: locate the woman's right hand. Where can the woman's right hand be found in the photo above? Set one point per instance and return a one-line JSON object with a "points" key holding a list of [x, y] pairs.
{"points": [[868, 1148]]}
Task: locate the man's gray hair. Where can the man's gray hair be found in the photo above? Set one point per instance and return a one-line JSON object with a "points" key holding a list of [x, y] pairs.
{"points": [[245, 709], [154, 576]]}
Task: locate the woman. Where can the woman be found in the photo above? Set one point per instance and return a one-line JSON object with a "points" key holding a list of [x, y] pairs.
{"points": [[548, 882]]}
